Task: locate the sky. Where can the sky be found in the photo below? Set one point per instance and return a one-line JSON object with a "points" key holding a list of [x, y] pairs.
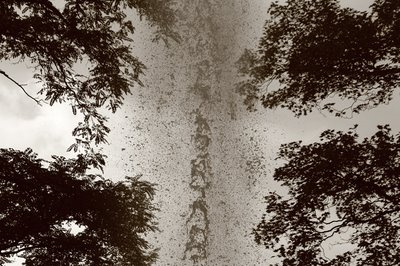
{"points": [[46, 129], [357, 4]]}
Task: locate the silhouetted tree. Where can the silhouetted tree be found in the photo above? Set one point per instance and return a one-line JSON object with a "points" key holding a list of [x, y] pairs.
{"points": [[39, 201], [323, 56], [315, 54], [94, 35], [82, 55], [338, 187]]}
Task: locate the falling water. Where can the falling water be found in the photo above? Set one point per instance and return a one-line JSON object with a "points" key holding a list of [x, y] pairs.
{"points": [[188, 132]]}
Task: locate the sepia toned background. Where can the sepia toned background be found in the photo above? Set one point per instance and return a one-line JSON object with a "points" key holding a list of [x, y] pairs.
{"points": [[187, 131]]}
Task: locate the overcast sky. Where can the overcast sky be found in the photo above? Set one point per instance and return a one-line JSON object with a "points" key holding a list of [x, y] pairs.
{"points": [[47, 130]]}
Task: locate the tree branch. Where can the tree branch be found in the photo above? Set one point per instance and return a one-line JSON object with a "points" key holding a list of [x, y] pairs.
{"points": [[50, 7], [13, 252], [384, 71], [19, 85]]}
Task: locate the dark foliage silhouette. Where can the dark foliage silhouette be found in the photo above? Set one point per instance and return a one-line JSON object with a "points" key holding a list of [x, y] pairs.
{"points": [[339, 187], [325, 57], [94, 35], [37, 203], [82, 55]]}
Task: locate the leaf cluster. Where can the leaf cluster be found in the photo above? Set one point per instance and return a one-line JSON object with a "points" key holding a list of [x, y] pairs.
{"points": [[82, 53], [37, 201], [321, 53], [336, 185]]}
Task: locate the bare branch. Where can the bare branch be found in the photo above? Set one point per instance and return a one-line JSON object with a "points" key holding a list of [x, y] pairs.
{"points": [[22, 88]]}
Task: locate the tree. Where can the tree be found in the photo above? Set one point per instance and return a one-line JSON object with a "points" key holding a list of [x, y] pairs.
{"points": [[325, 57], [38, 203], [334, 185], [82, 55], [94, 35]]}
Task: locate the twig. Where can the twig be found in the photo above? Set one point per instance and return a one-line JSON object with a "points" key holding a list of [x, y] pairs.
{"points": [[19, 85]]}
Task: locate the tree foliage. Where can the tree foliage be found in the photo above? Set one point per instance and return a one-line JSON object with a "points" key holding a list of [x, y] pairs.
{"points": [[37, 203], [336, 186], [81, 53], [325, 57]]}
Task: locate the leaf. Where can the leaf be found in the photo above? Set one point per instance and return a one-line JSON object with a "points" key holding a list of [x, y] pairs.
{"points": [[71, 147], [53, 99]]}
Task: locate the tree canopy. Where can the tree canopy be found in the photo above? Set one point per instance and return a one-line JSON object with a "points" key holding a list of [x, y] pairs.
{"points": [[94, 35], [326, 57], [81, 53], [37, 204], [336, 186]]}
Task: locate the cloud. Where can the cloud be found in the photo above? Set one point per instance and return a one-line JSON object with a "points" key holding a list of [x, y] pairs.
{"points": [[359, 5], [14, 102], [47, 129]]}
